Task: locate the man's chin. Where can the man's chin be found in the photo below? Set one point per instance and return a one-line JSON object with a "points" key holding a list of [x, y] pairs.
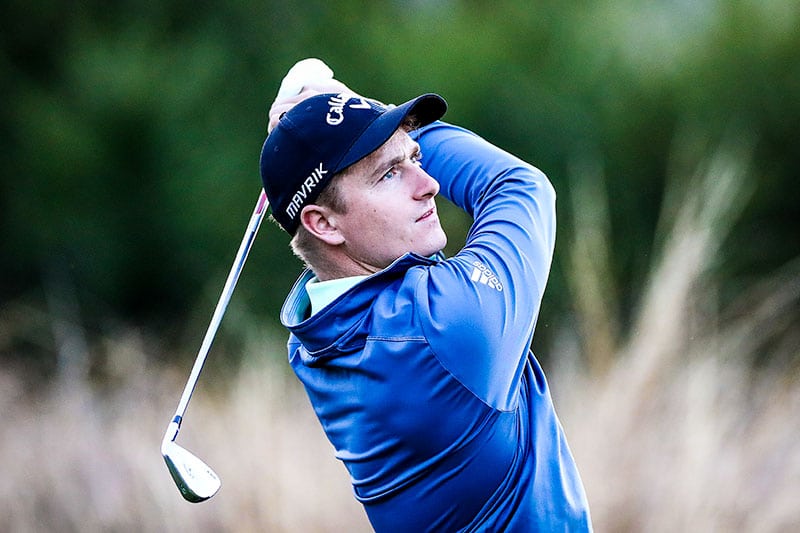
{"points": [[435, 247]]}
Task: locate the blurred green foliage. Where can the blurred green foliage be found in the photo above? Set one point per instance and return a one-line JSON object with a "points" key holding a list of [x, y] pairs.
{"points": [[131, 130]]}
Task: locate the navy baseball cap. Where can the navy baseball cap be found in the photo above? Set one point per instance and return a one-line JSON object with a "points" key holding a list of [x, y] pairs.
{"points": [[323, 135]]}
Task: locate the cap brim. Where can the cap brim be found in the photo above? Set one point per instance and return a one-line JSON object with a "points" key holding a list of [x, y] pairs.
{"points": [[424, 110]]}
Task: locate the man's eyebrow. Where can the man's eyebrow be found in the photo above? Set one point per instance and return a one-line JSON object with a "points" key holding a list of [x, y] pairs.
{"points": [[398, 157]]}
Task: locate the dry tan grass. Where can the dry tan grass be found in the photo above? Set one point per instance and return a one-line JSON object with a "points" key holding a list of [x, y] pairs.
{"points": [[679, 432], [703, 446], [74, 461], [78, 458]]}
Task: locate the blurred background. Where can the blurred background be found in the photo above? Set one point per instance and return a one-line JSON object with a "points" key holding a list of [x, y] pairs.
{"points": [[670, 330]]}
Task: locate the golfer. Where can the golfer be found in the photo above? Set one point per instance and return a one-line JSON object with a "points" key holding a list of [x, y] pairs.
{"points": [[417, 366]]}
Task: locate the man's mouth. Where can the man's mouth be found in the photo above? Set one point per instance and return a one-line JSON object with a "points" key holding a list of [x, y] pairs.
{"points": [[427, 215]]}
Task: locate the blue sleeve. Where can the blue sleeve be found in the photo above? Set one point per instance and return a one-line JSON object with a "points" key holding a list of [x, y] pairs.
{"points": [[480, 307]]}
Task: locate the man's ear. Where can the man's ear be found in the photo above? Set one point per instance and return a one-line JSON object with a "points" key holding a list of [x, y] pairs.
{"points": [[320, 221]]}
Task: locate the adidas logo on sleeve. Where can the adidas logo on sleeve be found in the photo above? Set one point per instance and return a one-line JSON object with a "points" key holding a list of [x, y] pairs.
{"points": [[483, 275]]}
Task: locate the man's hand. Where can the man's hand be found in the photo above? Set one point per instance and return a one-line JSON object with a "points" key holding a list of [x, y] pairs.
{"points": [[282, 105]]}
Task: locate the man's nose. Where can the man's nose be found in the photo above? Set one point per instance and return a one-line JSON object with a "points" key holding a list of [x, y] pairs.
{"points": [[426, 186]]}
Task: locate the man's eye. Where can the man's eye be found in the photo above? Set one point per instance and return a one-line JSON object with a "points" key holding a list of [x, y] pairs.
{"points": [[390, 174], [417, 158]]}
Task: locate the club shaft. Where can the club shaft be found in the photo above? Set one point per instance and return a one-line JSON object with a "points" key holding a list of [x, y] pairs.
{"points": [[230, 284], [301, 74]]}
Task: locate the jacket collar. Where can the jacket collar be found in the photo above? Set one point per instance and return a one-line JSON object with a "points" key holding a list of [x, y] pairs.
{"points": [[327, 327]]}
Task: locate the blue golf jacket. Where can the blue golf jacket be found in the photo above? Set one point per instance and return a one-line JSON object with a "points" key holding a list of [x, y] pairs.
{"points": [[421, 374]]}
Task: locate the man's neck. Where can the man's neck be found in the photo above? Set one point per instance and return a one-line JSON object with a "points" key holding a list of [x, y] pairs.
{"points": [[343, 266]]}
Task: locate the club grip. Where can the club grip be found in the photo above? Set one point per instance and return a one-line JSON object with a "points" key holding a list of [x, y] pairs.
{"points": [[303, 72]]}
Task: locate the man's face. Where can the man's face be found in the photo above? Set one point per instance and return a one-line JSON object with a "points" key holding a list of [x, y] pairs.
{"points": [[390, 206]]}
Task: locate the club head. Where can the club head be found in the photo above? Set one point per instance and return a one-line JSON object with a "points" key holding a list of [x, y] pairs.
{"points": [[195, 479]]}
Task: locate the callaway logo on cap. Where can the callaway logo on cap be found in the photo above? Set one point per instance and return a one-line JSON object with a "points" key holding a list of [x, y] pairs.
{"points": [[322, 136]]}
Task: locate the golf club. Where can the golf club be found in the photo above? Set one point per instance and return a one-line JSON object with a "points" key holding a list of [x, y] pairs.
{"points": [[195, 479]]}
